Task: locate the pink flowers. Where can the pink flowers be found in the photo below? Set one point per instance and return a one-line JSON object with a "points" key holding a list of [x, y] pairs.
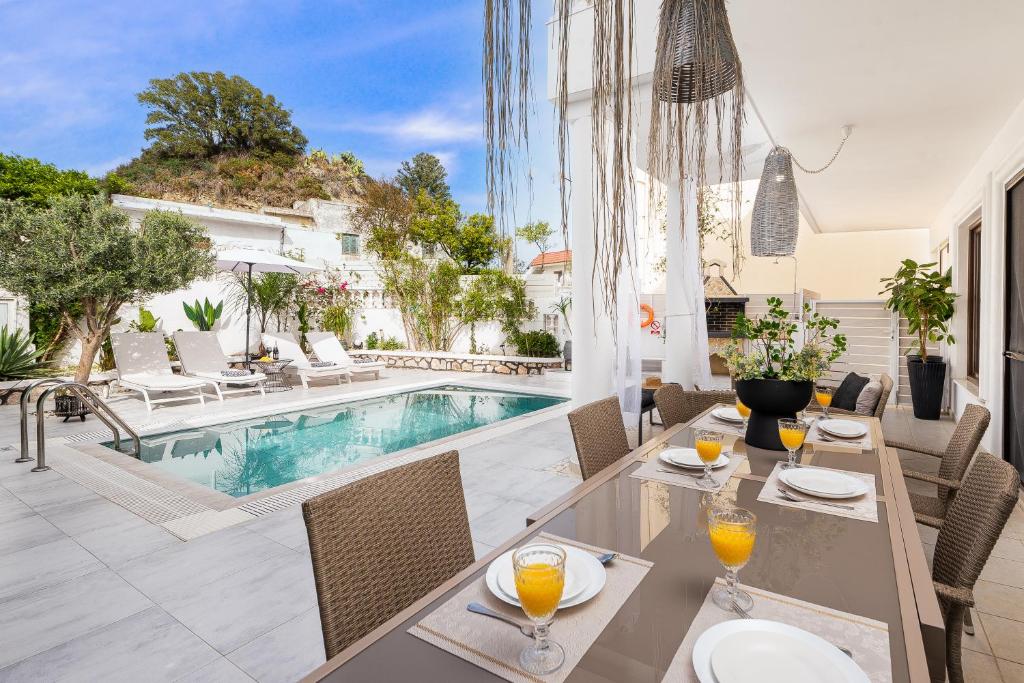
{"points": [[343, 286], [321, 290]]}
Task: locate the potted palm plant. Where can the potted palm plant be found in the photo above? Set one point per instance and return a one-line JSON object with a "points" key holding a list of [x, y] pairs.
{"points": [[775, 373], [923, 296]]}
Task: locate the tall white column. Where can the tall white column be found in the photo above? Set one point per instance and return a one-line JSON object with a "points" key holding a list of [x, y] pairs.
{"points": [[593, 355]]}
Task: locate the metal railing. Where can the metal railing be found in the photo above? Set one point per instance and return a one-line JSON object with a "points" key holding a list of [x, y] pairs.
{"points": [[98, 407]]}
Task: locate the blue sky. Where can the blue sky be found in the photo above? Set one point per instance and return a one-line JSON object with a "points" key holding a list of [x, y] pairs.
{"points": [[383, 79]]}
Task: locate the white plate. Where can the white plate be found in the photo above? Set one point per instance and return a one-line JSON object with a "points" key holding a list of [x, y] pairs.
{"points": [[574, 583], [769, 652], [728, 414], [823, 483], [844, 429], [688, 458], [587, 571]]}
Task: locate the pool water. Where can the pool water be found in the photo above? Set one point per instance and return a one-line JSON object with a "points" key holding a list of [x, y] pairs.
{"points": [[241, 458]]}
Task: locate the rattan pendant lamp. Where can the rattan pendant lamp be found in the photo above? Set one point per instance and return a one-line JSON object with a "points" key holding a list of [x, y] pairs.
{"points": [[775, 223], [704, 62]]}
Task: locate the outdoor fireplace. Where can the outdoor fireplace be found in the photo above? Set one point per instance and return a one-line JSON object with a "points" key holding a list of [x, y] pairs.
{"points": [[723, 305]]}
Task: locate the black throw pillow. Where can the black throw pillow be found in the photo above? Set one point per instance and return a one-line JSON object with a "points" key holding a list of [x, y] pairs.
{"points": [[846, 394]]}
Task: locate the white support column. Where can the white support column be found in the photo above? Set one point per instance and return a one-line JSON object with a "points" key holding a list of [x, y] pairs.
{"points": [[679, 320], [593, 355]]}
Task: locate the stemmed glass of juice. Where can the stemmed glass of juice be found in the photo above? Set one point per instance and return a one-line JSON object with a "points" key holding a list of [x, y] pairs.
{"points": [[823, 395], [732, 532], [709, 447], [792, 434], [540, 578], [744, 410]]}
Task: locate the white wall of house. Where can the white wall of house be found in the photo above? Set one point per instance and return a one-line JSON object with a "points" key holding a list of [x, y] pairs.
{"points": [[983, 188], [13, 312]]}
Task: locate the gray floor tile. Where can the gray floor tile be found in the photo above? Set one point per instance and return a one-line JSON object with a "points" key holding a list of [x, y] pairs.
{"points": [[481, 549], [44, 565], [240, 607], [56, 494], [148, 646], [117, 545], [284, 526], [494, 528], [26, 532], [479, 503], [220, 670], [82, 516], [178, 570], [38, 621], [12, 508], [285, 654]]}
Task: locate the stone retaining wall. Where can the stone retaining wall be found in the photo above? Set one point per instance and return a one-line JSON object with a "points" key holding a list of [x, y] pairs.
{"points": [[502, 365]]}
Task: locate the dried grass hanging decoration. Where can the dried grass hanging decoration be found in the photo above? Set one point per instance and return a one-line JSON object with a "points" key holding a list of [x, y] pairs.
{"points": [[697, 102], [507, 85]]}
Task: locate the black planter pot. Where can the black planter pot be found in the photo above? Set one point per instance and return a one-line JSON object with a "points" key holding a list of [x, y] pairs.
{"points": [[927, 383], [769, 401]]}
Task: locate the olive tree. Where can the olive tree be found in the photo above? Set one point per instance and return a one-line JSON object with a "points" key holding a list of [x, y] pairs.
{"points": [[82, 256]]}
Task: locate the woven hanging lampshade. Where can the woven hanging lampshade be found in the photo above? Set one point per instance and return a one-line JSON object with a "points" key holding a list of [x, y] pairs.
{"points": [[704, 63], [776, 219]]}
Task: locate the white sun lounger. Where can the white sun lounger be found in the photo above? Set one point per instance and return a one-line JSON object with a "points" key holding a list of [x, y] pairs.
{"points": [[288, 347], [202, 357], [142, 365], [327, 347]]}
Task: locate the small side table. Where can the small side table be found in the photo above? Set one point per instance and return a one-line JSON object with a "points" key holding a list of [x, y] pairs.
{"points": [[276, 380]]}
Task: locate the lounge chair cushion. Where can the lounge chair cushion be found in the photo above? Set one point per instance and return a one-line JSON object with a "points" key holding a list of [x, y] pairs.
{"points": [[163, 382], [232, 379]]}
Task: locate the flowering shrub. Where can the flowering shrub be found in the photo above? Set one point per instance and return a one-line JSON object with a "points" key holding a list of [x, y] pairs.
{"points": [[331, 302], [773, 353]]}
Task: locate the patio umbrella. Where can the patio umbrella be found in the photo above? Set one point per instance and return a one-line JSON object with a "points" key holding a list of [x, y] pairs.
{"points": [[254, 260]]}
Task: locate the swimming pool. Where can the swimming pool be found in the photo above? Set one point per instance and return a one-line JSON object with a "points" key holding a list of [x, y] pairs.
{"points": [[245, 457]]}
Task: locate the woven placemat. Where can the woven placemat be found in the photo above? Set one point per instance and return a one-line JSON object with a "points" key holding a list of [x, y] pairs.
{"points": [[495, 646], [864, 507], [652, 471], [714, 424], [816, 435], [866, 639]]}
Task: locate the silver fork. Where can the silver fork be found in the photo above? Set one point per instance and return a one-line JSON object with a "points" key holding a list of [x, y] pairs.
{"points": [[476, 607], [794, 499]]}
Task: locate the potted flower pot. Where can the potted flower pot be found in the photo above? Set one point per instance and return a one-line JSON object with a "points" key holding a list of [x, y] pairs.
{"points": [[769, 401], [927, 384]]}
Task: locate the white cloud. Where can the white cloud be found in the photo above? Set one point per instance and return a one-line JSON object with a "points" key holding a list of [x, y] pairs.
{"points": [[425, 126]]}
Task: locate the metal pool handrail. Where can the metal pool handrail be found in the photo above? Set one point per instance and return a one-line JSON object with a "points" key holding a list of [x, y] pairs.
{"points": [[25, 395], [100, 410]]}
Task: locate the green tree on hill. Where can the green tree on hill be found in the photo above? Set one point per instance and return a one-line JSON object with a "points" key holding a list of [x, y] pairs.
{"points": [[425, 173], [202, 114]]}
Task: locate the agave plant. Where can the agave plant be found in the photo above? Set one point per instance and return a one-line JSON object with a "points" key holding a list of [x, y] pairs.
{"points": [[204, 315], [17, 357]]}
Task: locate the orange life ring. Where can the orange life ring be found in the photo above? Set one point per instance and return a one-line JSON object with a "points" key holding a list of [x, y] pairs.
{"points": [[650, 315]]}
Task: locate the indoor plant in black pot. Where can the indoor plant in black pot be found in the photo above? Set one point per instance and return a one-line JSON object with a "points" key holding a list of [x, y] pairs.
{"points": [[775, 375], [924, 297]]}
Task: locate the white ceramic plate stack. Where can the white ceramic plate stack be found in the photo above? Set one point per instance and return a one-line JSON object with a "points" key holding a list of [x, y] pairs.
{"points": [[728, 414], [843, 429], [762, 651], [823, 483], [687, 458], [584, 578]]}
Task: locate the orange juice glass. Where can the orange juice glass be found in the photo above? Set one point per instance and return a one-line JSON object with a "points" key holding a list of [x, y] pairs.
{"points": [[792, 434], [744, 410], [732, 532], [540, 579], [823, 395], [709, 447]]}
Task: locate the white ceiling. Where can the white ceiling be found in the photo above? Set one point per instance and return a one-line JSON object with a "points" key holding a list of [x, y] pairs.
{"points": [[925, 83]]}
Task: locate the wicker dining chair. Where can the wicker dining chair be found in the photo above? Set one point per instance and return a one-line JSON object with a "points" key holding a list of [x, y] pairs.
{"points": [[975, 520], [677, 405], [599, 435], [381, 543], [955, 460]]}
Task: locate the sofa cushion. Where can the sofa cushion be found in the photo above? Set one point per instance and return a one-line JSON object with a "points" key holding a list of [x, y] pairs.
{"points": [[845, 396], [868, 399]]}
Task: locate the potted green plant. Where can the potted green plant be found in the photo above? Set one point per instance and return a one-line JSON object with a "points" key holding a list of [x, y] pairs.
{"points": [[775, 374], [924, 296]]}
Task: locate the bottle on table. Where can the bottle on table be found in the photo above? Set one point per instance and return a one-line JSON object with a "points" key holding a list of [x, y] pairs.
{"points": [[275, 354]]}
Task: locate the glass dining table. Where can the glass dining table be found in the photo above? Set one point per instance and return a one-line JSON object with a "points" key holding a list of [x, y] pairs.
{"points": [[873, 570]]}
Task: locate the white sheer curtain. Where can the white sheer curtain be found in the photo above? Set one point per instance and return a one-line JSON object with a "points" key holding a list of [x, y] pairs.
{"points": [[627, 337], [693, 274]]}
